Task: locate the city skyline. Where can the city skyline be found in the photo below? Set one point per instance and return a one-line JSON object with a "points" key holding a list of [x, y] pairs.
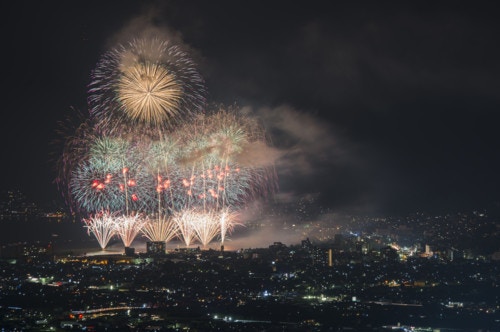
{"points": [[373, 109]]}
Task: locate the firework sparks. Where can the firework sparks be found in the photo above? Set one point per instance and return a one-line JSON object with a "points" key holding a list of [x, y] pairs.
{"points": [[213, 175], [147, 149], [206, 226], [128, 227], [227, 221], [184, 221], [149, 93], [146, 83], [102, 225], [112, 178], [163, 229]]}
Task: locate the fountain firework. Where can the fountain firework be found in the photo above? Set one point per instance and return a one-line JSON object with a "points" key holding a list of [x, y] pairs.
{"points": [[184, 220], [162, 229], [128, 227], [102, 225]]}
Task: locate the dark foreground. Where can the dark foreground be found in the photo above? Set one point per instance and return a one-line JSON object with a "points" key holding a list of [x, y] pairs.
{"points": [[278, 288]]}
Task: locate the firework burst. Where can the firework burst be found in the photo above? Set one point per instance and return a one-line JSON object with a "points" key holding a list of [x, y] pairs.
{"points": [[112, 178], [144, 84], [214, 175], [149, 93], [73, 134]]}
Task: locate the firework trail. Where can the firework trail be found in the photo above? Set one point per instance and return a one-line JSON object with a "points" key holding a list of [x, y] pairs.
{"points": [[102, 225], [161, 163], [144, 84], [208, 225], [227, 222]]}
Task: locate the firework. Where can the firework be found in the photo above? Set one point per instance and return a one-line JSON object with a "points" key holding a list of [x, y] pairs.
{"points": [[163, 153], [127, 227], [214, 174], [102, 225], [144, 84], [112, 178], [227, 221], [209, 225], [206, 226], [110, 153], [96, 190], [184, 221], [162, 229], [73, 142], [161, 162], [150, 148], [149, 93]]}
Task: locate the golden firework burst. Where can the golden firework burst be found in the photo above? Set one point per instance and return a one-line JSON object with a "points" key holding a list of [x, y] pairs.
{"points": [[149, 93]]}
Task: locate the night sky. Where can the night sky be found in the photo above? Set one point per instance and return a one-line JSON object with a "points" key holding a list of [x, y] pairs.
{"points": [[377, 107]]}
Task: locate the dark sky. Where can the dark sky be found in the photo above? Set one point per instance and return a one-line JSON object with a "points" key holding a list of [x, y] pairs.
{"points": [[378, 106]]}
